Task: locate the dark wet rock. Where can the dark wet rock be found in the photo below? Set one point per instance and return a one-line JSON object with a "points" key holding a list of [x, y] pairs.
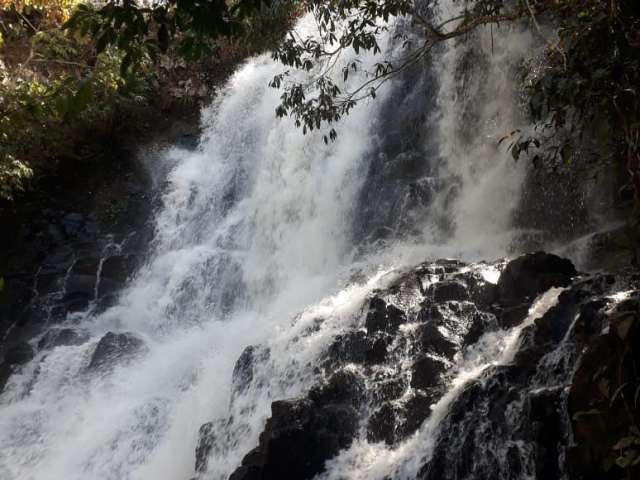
{"points": [[55, 234], [5, 373], [476, 427], [382, 424], [599, 403], [13, 297], [427, 372], [511, 316], [448, 291], [356, 347], [591, 321], [507, 423], [481, 323], [76, 301], [298, 439], [417, 409], [81, 284], [447, 327], [481, 292], [244, 369], [62, 337], [383, 317], [114, 347], [49, 280], [378, 352], [532, 274], [19, 354], [351, 347], [395, 421], [72, 223], [389, 389], [86, 266], [107, 287], [548, 330], [32, 316], [435, 339], [118, 268], [343, 387], [545, 411], [105, 301]]}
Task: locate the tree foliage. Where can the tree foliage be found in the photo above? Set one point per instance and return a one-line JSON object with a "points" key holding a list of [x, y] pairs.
{"points": [[588, 84], [147, 29], [67, 67], [52, 85]]}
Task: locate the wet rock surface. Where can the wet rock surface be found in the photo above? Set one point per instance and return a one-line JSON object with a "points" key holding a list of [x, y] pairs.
{"points": [[603, 400], [379, 380], [71, 259], [530, 275], [114, 347]]}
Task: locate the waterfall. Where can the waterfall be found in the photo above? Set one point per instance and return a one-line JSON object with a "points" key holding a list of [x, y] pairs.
{"points": [[261, 232]]}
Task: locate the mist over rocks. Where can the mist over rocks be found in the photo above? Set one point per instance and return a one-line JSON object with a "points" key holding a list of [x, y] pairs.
{"points": [[113, 348]]}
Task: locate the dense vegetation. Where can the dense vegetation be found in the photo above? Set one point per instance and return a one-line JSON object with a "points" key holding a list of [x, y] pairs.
{"points": [[61, 75], [84, 61]]}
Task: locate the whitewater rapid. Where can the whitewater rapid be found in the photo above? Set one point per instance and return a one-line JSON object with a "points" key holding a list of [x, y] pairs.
{"points": [[253, 243]]}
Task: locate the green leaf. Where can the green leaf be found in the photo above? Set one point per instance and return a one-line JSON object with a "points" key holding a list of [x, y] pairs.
{"points": [[81, 98]]}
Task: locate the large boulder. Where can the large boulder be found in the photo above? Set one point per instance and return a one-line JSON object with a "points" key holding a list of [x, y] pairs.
{"points": [[530, 275], [343, 387], [114, 347], [298, 439]]}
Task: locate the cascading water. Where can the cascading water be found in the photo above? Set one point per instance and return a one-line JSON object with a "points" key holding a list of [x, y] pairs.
{"points": [[272, 239]]}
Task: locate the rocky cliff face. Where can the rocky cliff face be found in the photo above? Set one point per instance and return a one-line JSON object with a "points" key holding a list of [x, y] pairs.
{"points": [[522, 414], [76, 240]]}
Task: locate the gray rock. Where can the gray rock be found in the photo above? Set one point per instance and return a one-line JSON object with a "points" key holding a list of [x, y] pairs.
{"points": [[114, 347], [19, 354]]}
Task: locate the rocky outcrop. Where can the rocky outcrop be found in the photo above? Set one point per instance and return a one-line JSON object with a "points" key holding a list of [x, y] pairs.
{"points": [[19, 354], [114, 347], [530, 275], [298, 438], [379, 381], [603, 401]]}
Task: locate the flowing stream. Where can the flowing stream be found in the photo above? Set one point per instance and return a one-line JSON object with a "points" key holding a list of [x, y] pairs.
{"points": [[261, 231]]}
